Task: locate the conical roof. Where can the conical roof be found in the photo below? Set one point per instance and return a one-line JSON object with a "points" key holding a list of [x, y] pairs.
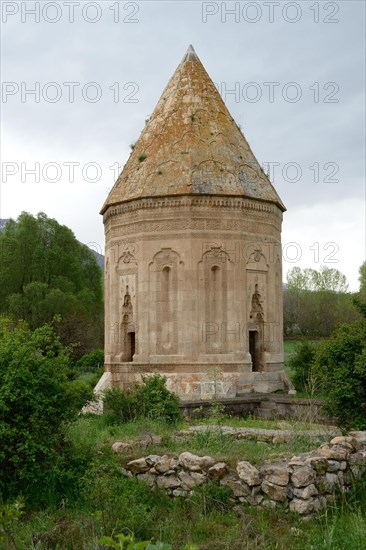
{"points": [[191, 145]]}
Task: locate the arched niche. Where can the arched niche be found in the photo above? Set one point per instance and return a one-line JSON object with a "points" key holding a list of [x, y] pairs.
{"points": [[164, 302]]}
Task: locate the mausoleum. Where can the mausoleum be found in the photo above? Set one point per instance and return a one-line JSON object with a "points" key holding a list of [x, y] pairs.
{"points": [[193, 272]]}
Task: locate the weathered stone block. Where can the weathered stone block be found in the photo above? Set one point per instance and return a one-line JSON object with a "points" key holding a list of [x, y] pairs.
{"points": [[166, 464], [327, 483], [346, 441], [359, 436], [276, 473], [248, 473], [357, 463], [335, 465], [254, 500], [275, 492], [198, 478], [168, 482], [302, 476], [195, 463], [152, 460], [336, 452], [187, 481], [138, 466], [122, 446], [306, 492], [269, 504], [218, 471], [304, 506], [239, 488]]}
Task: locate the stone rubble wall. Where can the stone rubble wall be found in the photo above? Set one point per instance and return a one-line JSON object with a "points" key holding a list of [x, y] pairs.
{"points": [[304, 483], [285, 434]]}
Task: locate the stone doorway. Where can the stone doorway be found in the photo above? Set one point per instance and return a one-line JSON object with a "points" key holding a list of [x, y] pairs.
{"points": [[253, 349], [131, 344]]}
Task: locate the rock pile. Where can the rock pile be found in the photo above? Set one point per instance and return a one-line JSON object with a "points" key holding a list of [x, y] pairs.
{"points": [[304, 484]]}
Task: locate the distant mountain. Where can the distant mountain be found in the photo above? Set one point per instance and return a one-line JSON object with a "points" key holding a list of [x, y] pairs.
{"points": [[2, 225], [99, 257]]}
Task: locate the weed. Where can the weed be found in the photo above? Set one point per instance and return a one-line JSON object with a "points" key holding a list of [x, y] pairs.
{"points": [[10, 515]]}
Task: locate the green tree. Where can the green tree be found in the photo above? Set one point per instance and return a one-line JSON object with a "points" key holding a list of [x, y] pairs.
{"points": [[316, 302], [359, 299], [340, 366], [301, 364], [45, 272], [36, 400], [91, 362], [362, 279], [326, 279]]}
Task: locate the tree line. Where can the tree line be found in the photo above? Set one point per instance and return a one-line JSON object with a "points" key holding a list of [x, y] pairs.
{"points": [[315, 302], [48, 276]]}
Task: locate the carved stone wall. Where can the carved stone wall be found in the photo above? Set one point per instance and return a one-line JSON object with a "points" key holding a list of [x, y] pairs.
{"points": [[194, 281]]}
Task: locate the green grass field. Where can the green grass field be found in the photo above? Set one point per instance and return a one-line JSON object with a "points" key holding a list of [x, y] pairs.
{"points": [[107, 503]]}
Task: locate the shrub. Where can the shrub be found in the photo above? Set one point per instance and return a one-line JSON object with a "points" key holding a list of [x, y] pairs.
{"points": [[340, 364], [36, 400], [120, 406], [151, 399], [91, 362], [155, 400], [301, 364]]}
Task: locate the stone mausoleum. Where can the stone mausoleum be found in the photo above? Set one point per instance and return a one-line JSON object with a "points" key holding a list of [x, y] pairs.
{"points": [[193, 274]]}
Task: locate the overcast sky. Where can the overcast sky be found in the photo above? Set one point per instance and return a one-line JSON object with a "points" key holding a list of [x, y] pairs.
{"points": [[296, 72]]}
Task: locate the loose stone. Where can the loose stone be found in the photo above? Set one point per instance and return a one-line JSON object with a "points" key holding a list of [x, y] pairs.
{"points": [[302, 476], [248, 473]]}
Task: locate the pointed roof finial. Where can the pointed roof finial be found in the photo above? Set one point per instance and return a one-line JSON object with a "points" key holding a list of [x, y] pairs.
{"points": [[190, 54]]}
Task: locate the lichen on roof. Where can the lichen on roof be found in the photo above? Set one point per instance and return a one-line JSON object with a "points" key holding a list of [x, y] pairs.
{"points": [[191, 145]]}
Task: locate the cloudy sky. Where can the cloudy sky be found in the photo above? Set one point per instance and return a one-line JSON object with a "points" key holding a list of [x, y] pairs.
{"points": [[80, 78]]}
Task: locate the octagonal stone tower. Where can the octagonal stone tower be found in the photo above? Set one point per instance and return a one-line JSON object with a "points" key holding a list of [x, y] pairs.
{"points": [[193, 277]]}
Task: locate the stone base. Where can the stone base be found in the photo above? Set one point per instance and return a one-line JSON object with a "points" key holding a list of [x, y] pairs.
{"points": [[201, 381], [96, 406]]}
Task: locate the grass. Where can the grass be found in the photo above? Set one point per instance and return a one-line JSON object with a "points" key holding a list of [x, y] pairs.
{"points": [[109, 503], [262, 423], [92, 432], [231, 450], [105, 502], [204, 519]]}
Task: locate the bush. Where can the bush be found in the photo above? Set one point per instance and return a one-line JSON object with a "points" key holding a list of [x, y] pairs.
{"points": [[91, 362], [301, 364], [120, 406], [340, 365], [36, 400], [155, 400], [151, 399]]}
